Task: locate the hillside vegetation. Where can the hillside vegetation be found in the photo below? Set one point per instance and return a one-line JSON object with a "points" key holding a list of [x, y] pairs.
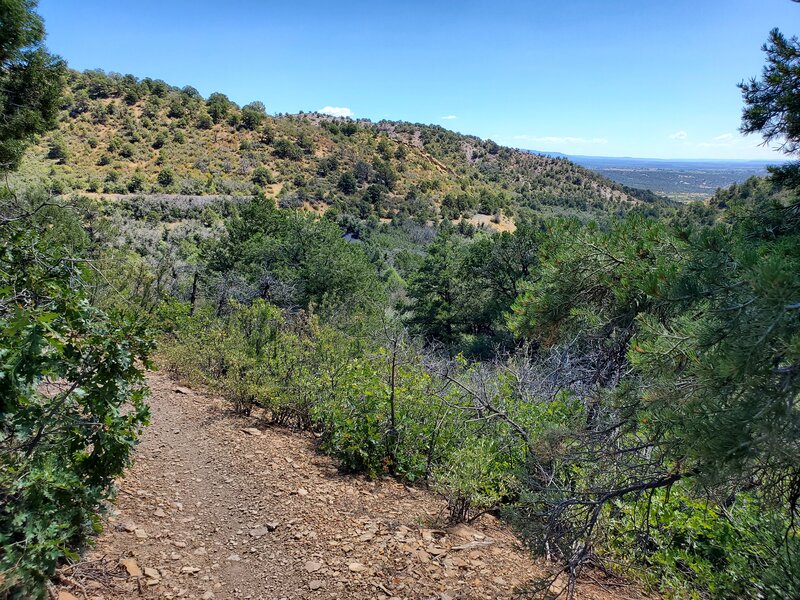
{"points": [[121, 135], [617, 377]]}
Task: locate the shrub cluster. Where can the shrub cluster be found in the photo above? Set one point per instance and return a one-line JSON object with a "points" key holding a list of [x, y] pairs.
{"points": [[71, 400]]}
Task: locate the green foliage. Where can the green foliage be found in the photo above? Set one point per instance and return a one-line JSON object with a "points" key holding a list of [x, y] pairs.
{"points": [[463, 290], [252, 115], [385, 174], [735, 551], [735, 349], [58, 150], [287, 149], [772, 104], [71, 401], [136, 182], [204, 121], [219, 106], [166, 177], [262, 176], [151, 126], [31, 81], [690, 339], [594, 283], [315, 265], [347, 184], [474, 478], [436, 289], [374, 411], [386, 417]]}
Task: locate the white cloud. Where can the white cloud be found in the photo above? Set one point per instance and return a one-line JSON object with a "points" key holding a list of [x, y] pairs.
{"points": [[679, 135], [554, 139], [725, 140], [336, 111], [448, 117]]}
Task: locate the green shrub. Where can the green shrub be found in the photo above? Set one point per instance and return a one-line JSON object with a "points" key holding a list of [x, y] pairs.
{"points": [[159, 140], [58, 150], [62, 445], [474, 479], [136, 182], [262, 176], [166, 177], [311, 376], [127, 150], [685, 545], [286, 149]]}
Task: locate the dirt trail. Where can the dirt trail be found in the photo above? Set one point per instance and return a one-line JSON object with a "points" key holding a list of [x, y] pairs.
{"points": [[218, 506]]}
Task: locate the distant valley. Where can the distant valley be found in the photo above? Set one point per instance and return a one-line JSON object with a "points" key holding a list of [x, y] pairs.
{"points": [[680, 179]]}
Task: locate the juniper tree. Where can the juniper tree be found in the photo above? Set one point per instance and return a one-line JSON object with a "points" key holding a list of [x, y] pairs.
{"points": [[31, 80]]}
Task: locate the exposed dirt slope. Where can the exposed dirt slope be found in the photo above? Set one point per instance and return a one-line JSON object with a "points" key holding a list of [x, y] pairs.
{"points": [[216, 506]]}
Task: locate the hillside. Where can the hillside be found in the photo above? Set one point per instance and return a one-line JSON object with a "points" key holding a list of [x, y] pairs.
{"points": [[121, 135]]}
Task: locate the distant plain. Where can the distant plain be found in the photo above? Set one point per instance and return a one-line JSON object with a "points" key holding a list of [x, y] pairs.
{"points": [[680, 179]]}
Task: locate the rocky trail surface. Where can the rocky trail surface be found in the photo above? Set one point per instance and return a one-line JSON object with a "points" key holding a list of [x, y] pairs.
{"points": [[220, 506]]}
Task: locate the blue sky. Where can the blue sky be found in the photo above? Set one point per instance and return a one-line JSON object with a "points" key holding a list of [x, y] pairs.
{"points": [[648, 78]]}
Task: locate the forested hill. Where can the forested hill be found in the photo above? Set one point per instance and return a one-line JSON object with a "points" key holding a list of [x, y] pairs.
{"points": [[118, 134]]}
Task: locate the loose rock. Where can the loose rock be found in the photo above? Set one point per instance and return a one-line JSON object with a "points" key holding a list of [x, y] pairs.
{"points": [[131, 567], [312, 566]]}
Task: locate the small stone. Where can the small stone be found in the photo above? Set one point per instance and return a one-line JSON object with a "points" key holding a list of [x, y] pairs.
{"points": [[302, 492], [159, 513], [259, 532], [130, 527], [312, 566], [272, 525], [190, 570], [152, 573], [209, 595], [182, 390], [131, 567], [315, 585], [251, 431], [430, 535], [422, 556], [465, 532], [141, 534], [233, 558], [180, 544], [356, 567]]}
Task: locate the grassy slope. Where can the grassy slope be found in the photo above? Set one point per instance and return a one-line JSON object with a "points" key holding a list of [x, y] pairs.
{"points": [[109, 141]]}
